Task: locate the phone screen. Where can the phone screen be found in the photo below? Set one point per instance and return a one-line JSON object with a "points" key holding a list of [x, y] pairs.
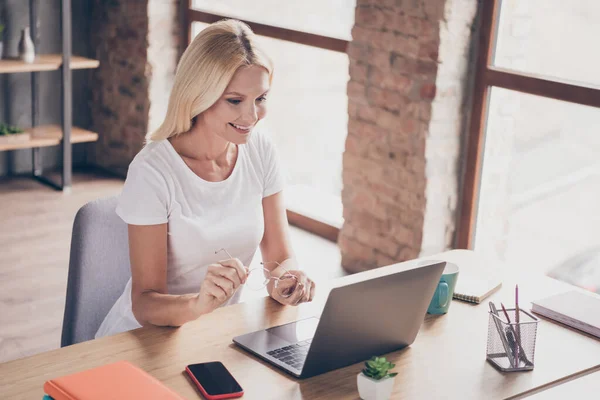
{"points": [[215, 378]]}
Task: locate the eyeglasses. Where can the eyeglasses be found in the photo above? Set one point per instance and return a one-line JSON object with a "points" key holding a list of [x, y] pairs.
{"points": [[257, 278]]}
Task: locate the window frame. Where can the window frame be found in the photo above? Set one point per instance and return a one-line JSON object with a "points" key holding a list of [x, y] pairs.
{"points": [[488, 76]]}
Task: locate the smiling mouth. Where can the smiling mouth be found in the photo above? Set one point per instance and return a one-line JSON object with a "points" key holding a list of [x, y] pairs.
{"points": [[241, 128]]}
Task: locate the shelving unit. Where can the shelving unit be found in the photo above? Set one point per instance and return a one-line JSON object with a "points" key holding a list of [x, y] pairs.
{"points": [[64, 134]]}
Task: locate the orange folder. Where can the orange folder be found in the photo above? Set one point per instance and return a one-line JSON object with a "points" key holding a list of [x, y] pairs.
{"points": [[119, 381]]}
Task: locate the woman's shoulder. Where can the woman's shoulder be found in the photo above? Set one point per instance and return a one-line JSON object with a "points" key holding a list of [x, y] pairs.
{"points": [[151, 159]]}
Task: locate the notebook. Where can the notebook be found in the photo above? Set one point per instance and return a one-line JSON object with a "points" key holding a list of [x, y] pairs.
{"points": [[474, 286], [117, 381], [575, 309]]}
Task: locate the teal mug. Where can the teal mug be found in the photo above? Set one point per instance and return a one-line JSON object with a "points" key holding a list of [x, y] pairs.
{"points": [[440, 303]]}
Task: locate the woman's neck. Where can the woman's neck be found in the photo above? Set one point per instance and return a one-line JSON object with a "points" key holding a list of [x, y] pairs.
{"points": [[200, 145]]}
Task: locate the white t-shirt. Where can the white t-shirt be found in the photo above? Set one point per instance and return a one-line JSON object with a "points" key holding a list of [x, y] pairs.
{"points": [[202, 216]]}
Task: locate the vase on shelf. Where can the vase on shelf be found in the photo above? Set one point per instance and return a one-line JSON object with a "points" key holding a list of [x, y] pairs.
{"points": [[26, 48]]}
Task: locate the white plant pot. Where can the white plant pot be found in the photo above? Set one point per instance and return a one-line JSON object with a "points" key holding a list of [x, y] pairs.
{"points": [[370, 389]]}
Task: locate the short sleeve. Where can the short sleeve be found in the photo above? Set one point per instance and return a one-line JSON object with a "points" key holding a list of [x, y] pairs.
{"points": [[144, 198], [274, 180]]}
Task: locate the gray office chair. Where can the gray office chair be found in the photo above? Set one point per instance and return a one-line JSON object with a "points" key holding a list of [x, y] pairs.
{"points": [[98, 269]]}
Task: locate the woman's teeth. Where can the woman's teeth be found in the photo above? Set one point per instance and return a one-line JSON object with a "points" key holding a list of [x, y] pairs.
{"points": [[240, 127]]}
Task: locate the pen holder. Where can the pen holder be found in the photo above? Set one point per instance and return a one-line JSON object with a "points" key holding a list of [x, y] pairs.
{"points": [[511, 347]]}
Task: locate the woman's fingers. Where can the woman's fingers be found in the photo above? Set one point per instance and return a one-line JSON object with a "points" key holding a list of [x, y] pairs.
{"points": [[226, 272], [307, 289], [222, 282], [297, 295], [237, 267], [312, 291], [215, 291]]}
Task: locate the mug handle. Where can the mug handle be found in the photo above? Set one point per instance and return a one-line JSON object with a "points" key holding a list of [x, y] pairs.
{"points": [[443, 294]]}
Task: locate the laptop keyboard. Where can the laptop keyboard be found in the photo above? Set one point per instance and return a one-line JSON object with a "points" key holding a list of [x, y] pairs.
{"points": [[293, 355]]}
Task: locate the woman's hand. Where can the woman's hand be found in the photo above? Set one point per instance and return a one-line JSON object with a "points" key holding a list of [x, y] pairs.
{"points": [[303, 292], [220, 283]]}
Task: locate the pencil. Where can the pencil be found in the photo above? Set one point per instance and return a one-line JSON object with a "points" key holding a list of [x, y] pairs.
{"points": [[505, 313], [517, 320]]}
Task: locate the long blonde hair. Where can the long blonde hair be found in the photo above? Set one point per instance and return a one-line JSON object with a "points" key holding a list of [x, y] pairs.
{"points": [[205, 70]]}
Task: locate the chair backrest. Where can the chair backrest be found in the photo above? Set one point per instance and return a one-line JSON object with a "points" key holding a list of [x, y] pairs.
{"points": [[98, 269]]}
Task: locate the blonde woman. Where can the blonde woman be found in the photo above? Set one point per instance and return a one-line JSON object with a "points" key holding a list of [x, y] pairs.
{"points": [[206, 191]]}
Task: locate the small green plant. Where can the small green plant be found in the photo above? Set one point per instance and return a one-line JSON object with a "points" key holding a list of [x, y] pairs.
{"points": [[1, 32], [379, 368], [9, 129]]}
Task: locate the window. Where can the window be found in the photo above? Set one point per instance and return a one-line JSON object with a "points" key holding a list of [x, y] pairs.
{"points": [[533, 178]]}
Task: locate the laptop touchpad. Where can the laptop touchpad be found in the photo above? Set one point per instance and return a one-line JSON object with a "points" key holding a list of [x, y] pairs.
{"points": [[296, 331]]}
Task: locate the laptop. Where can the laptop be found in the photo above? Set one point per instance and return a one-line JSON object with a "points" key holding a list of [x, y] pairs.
{"points": [[369, 313]]}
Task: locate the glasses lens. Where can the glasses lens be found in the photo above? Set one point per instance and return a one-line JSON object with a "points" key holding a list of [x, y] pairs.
{"points": [[256, 279], [286, 285]]}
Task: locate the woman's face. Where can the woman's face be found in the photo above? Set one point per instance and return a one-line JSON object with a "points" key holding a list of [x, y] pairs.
{"points": [[240, 107]]}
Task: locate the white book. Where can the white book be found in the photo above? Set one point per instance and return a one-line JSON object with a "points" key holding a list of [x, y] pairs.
{"points": [[575, 309]]}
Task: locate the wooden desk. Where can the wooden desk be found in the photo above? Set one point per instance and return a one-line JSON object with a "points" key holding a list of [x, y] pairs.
{"points": [[446, 361]]}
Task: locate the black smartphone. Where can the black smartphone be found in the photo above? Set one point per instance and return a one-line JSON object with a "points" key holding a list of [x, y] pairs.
{"points": [[214, 381]]}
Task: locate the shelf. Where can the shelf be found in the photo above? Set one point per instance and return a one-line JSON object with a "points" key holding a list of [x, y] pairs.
{"points": [[45, 62], [50, 135]]}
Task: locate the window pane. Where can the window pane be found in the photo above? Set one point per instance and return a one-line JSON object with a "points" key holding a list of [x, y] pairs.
{"points": [[308, 122], [550, 37], [332, 18], [540, 187]]}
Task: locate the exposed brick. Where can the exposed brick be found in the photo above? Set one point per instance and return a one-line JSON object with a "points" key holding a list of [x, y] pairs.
{"points": [[380, 243], [407, 25], [386, 99], [387, 120], [387, 194], [428, 68], [405, 45], [406, 218], [404, 235], [433, 10], [389, 4], [379, 58], [429, 51], [384, 165], [420, 110], [357, 92], [415, 8], [407, 253], [354, 249], [387, 80], [352, 109], [383, 260], [368, 222], [358, 71], [363, 200], [368, 114], [363, 166], [137, 46], [356, 50], [365, 130], [428, 91], [354, 265], [370, 17], [429, 30]]}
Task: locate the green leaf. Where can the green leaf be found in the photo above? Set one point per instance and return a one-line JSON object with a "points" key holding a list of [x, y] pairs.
{"points": [[393, 374]]}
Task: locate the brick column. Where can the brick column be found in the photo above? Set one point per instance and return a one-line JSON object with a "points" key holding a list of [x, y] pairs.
{"points": [[394, 63], [137, 43]]}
